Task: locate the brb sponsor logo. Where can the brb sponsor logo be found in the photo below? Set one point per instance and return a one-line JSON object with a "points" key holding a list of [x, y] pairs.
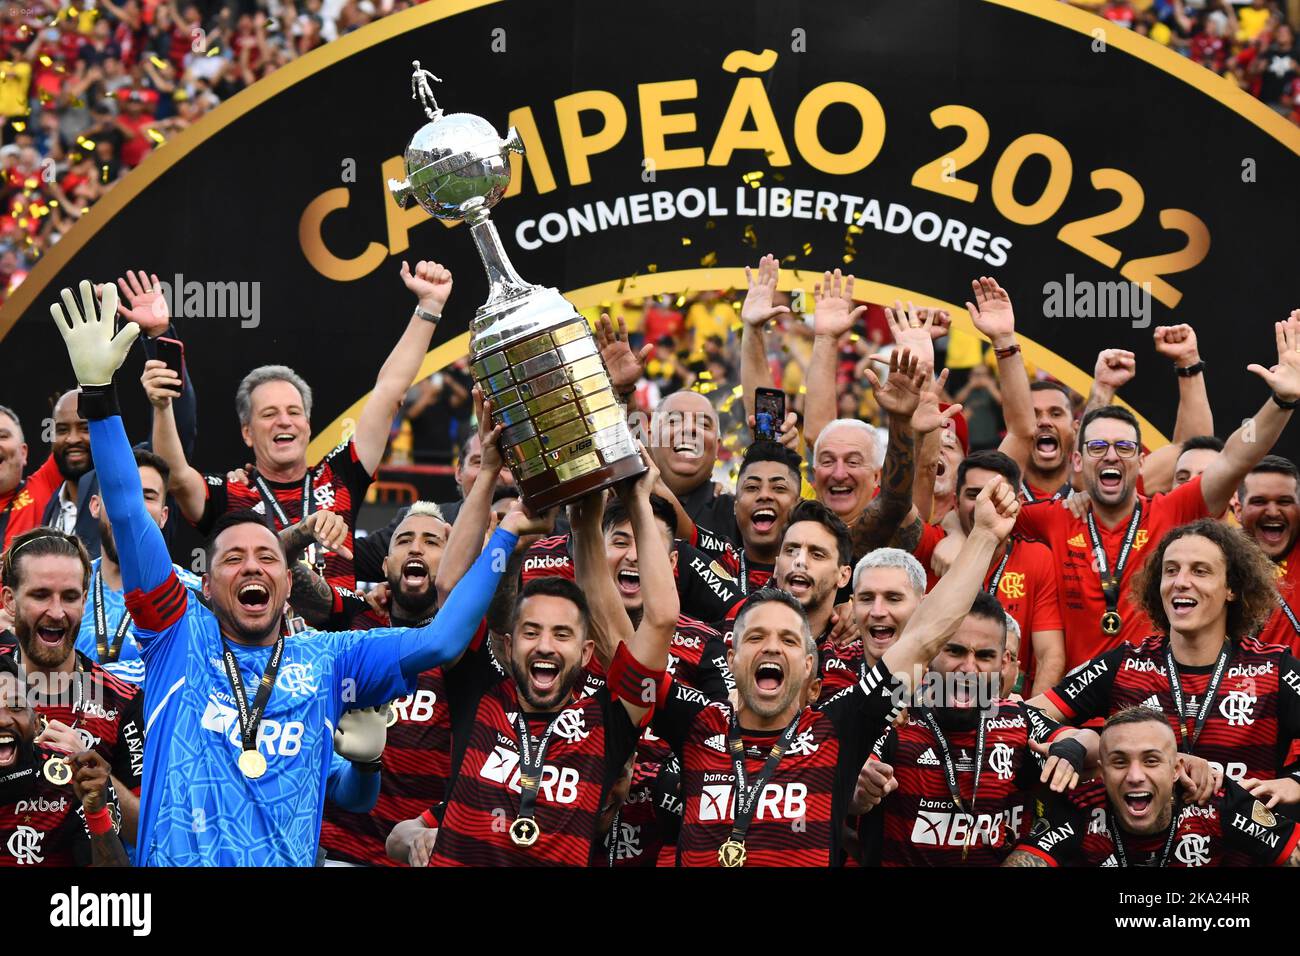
{"points": [[415, 708], [273, 737], [778, 801], [947, 829], [559, 784]]}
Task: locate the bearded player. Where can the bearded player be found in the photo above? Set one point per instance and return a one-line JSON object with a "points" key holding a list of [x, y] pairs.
{"points": [[235, 748], [768, 782]]}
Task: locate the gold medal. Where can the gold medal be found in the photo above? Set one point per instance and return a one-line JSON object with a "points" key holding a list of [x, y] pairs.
{"points": [[251, 764], [1111, 623], [524, 831], [57, 771], [732, 854]]}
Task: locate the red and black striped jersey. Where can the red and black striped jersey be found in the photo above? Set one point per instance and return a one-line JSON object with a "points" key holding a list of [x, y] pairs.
{"points": [[1076, 831], [106, 712], [416, 765], [338, 484], [798, 815], [587, 752], [44, 825], [636, 829], [922, 826], [1250, 725], [704, 586], [841, 665]]}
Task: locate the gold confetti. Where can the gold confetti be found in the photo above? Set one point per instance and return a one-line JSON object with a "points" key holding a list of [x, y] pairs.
{"points": [[214, 51], [156, 136], [158, 62], [738, 391], [779, 177], [19, 126], [31, 183], [45, 60], [710, 259], [22, 223], [750, 237], [710, 224], [706, 375], [789, 258], [807, 248], [752, 177], [85, 209], [686, 240], [855, 230], [54, 203], [104, 176], [621, 284], [847, 258], [680, 301], [652, 268]]}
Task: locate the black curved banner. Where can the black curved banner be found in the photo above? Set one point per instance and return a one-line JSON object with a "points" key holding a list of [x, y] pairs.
{"points": [[916, 144]]}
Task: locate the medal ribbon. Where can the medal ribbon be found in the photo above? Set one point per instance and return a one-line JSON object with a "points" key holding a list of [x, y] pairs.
{"points": [[250, 718], [108, 653], [530, 763], [950, 769], [1110, 582], [1117, 837], [992, 589], [747, 793], [273, 509], [1176, 688]]}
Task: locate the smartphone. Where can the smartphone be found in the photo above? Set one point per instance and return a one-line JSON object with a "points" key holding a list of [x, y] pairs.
{"points": [[769, 413], [172, 352]]}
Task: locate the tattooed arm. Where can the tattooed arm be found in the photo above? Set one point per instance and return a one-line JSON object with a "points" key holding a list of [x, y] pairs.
{"points": [[310, 595], [1024, 858]]}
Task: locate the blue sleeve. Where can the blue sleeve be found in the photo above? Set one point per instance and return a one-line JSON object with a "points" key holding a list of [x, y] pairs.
{"points": [[185, 408], [142, 552], [377, 665], [349, 789]]}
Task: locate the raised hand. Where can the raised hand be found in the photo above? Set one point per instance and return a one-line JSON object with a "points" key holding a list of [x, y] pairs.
{"points": [[787, 433], [1284, 377], [625, 366], [522, 522], [757, 308], [90, 774], [642, 485], [900, 393], [430, 283], [143, 303], [991, 311], [1178, 344], [96, 352], [928, 415], [489, 435], [1115, 368], [835, 313], [161, 384], [362, 734], [996, 508], [911, 329], [876, 781]]}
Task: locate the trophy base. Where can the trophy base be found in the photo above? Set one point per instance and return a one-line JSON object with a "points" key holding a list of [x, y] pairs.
{"points": [[546, 494]]}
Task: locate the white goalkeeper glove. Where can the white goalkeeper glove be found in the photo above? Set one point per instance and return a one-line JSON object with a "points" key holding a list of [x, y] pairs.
{"points": [[361, 734], [96, 353]]}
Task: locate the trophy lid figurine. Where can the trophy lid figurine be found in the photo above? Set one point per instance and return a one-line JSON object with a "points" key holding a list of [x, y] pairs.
{"points": [[531, 351]]}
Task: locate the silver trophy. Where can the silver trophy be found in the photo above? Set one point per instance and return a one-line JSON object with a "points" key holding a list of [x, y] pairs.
{"points": [[564, 432]]}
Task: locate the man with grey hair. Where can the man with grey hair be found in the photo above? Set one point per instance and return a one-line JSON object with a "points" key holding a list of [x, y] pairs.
{"points": [[888, 585], [274, 406]]}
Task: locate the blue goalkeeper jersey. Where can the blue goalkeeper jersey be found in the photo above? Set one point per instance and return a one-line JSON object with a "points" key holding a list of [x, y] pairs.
{"points": [[196, 807]]}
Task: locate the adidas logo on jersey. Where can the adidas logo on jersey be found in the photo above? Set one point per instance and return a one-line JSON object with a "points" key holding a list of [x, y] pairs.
{"points": [[1153, 702], [928, 759], [1077, 541], [717, 742]]}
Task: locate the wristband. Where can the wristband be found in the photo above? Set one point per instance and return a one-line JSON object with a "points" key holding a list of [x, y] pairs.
{"points": [[372, 766], [1277, 401], [99, 822], [1071, 751], [427, 316], [1007, 352], [97, 402], [1191, 370]]}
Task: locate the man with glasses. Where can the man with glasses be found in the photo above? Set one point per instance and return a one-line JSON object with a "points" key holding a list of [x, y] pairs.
{"points": [[1098, 553]]}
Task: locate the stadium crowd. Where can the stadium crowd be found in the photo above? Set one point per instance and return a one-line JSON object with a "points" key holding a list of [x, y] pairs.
{"points": [[89, 88], [852, 644]]}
